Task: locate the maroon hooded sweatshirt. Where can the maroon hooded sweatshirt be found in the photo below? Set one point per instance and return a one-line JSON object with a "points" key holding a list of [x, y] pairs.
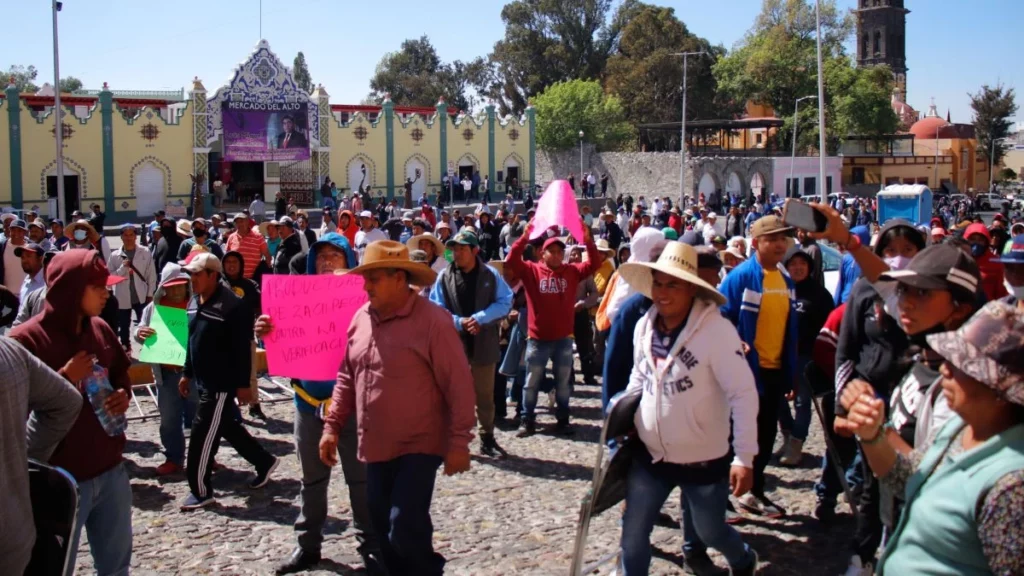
{"points": [[87, 451]]}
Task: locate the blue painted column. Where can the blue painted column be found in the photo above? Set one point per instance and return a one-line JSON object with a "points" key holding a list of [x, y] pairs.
{"points": [[442, 123], [389, 127], [491, 175], [13, 102], [531, 122], [107, 117]]}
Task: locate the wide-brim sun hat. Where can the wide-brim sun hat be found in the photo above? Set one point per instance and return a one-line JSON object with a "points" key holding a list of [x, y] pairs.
{"points": [[603, 246], [184, 228], [414, 243], [678, 260], [69, 230], [388, 254]]}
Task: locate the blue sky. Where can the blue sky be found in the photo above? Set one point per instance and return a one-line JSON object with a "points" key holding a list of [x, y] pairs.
{"points": [[953, 46]]}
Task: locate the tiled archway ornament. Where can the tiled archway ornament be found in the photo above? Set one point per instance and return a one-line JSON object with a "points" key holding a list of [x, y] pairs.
{"points": [[156, 162], [422, 160], [371, 170], [83, 185], [469, 160]]}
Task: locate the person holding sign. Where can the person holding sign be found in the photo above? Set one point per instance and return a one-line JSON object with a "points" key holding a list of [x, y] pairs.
{"points": [[175, 410], [331, 254], [551, 300], [218, 361], [406, 370]]}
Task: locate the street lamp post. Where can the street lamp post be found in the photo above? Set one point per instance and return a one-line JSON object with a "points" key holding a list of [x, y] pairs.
{"points": [[682, 127], [581, 162], [821, 110], [792, 160], [58, 116], [937, 157]]}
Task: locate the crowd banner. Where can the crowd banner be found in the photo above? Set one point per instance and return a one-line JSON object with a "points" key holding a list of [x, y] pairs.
{"points": [[310, 315], [557, 207], [261, 132], [167, 346]]}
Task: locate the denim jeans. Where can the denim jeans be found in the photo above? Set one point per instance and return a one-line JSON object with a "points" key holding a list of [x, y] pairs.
{"points": [[399, 493], [703, 518], [538, 352], [801, 424], [124, 321], [105, 511], [176, 413]]}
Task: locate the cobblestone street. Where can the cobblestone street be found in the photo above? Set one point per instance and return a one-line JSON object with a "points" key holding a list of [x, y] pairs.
{"points": [[516, 516]]}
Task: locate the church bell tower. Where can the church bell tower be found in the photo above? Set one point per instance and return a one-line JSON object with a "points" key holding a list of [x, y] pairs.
{"points": [[881, 38]]}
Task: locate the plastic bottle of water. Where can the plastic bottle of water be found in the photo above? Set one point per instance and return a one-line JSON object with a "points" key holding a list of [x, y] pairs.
{"points": [[97, 387]]}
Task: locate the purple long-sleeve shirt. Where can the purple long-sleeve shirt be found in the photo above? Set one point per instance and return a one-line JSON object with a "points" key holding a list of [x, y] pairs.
{"points": [[408, 380]]}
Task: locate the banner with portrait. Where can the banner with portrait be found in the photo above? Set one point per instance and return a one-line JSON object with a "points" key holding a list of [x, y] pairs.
{"points": [[258, 132]]}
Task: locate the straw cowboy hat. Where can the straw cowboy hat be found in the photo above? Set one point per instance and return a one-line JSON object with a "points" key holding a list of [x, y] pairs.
{"points": [[384, 254], [184, 228], [602, 245], [414, 243], [91, 233], [678, 260]]}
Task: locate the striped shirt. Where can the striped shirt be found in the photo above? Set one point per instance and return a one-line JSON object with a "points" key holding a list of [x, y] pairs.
{"points": [[250, 247]]}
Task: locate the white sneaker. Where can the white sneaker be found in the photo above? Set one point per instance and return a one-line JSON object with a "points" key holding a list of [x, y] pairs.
{"points": [[551, 400], [858, 568], [793, 452]]}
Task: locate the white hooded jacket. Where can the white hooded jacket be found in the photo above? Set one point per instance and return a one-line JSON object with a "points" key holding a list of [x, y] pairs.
{"points": [[686, 404]]}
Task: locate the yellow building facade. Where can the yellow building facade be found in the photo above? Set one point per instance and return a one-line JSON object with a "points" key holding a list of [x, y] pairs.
{"points": [[134, 154]]}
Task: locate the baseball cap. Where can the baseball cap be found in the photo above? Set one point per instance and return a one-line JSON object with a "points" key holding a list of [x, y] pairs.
{"points": [[939, 267], [552, 241], [38, 222], [97, 273], [30, 246], [465, 238], [768, 225], [366, 214], [202, 261], [719, 239], [407, 215], [19, 223], [239, 216], [286, 221], [57, 221], [1016, 253]]}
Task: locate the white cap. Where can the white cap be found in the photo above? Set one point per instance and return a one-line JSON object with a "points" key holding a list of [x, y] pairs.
{"points": [[712, 215], [203, 261], [366, 214]]}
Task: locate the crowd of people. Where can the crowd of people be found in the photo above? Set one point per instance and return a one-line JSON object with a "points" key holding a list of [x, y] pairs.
{"points": [[718, 323]]}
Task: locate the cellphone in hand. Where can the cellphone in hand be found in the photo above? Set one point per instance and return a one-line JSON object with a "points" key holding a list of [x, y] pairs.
{"points": [[799, 214]]}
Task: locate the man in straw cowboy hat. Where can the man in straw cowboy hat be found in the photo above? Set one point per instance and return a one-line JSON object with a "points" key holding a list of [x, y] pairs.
{"points": [[478, 299], [434, 249], [692, 388], [405, 369], [686, 364]]}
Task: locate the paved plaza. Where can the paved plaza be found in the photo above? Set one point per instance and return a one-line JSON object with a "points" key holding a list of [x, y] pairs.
{"points": [[516, 516]]}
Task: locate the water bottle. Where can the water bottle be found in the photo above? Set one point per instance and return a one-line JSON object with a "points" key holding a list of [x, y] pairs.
{"points": [[97, 387]]}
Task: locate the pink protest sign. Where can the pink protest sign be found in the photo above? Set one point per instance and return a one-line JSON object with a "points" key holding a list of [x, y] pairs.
{"points": [[557, 207], [311, 315]]}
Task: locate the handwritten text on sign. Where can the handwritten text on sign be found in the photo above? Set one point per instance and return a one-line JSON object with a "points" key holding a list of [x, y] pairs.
{"points": [[311, 315], [167, 345]]}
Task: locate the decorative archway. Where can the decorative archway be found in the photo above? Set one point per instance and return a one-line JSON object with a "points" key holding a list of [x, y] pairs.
{"points": [[69, 166], [758, 185], [707, 185], [468, 159], [149, 180], [733, 184], [354, 171], [419, 184]]}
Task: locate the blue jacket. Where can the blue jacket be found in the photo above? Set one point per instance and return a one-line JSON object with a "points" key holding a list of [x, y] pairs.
{"points": [[322, 389], [849, 270], [742, 288], [618, 352]]}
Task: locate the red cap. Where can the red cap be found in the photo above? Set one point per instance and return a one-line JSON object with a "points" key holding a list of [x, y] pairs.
{"points": [[551, 241], [99, 275]]}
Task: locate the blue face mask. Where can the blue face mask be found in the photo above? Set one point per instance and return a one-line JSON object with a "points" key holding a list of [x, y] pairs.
{"points": [[80, 235], [978, 250]]}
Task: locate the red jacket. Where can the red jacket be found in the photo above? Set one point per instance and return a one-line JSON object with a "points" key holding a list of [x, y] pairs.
{"points": [[550, 294], [991, 272], [824, 353], [87, 451]]}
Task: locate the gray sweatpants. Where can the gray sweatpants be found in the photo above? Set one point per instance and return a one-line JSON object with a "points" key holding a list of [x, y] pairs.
{"points": [[316, 476]]}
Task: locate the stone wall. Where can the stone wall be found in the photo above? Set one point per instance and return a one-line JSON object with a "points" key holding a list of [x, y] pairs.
{"points": [[650, 173]]}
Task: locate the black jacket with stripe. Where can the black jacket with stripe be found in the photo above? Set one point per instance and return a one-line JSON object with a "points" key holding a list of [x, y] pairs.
{"points": [[218, 357]]}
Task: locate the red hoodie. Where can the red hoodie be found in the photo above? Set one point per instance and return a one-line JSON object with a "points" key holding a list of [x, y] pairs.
{"points": [[87, 451], [991, 272], [350, 231], [550, 294]]}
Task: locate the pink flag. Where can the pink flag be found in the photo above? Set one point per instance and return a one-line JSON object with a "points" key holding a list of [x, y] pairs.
{"points": [[557, 207]]}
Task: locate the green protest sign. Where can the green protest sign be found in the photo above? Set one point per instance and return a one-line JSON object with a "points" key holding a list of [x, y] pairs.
{"points": [[167, 346]]}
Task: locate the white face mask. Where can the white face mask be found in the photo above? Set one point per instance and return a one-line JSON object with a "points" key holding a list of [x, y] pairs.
{"points": [[897, 262], [1017, 291]]}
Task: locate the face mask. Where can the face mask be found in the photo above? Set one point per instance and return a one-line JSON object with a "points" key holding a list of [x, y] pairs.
{"points": [[1017, 291], [80, 235], [897, 262], [978, 250]]}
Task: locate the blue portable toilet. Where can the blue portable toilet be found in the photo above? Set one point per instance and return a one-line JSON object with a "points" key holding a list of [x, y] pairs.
{"points": [[911, 202]]}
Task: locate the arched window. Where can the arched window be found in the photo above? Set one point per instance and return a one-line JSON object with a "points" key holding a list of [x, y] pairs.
{"points": [[864, 41], [878, 43], [890, 46]]}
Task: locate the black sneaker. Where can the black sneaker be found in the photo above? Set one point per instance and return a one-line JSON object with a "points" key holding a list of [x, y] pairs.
{"points": [[299, 561], [255, 411], [825, 511], [563, 428], [489, 447], [700, 564], [750, 569], [262, 477], [527, 429]]}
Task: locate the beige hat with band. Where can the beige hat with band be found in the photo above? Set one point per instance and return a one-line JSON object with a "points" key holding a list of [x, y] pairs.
{"points": [[678, 260]]}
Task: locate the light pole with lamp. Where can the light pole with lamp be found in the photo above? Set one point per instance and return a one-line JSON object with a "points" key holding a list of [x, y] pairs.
{"points": [[937, 185], [792, 160], [581, 162], [682, 127], [58, 116], [992, 161], [821, 109]]}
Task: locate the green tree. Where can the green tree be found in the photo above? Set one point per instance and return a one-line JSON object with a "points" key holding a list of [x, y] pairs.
{"points": [[566, 108], [647, 76], [859, 101], [993, 107], [70, 85], [416, 76], [548, 41], [1007, 174], [301, 73], [24, 78]]}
